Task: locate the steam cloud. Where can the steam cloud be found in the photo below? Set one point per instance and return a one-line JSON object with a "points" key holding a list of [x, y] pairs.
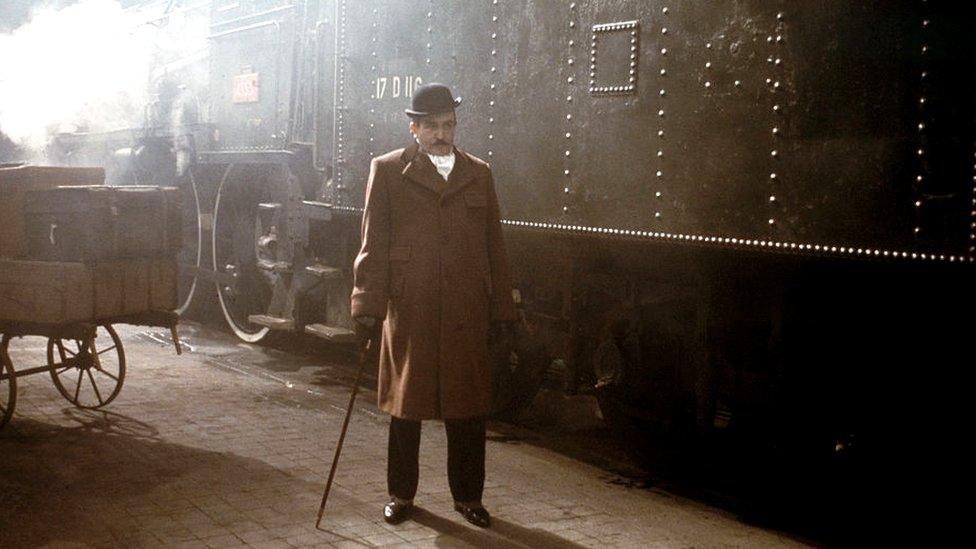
{"points": [[90, 66]]}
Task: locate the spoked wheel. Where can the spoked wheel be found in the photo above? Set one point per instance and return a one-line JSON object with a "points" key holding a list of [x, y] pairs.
{"points": [[190, 253], [8, 385], [88, 373], [244, 289]]}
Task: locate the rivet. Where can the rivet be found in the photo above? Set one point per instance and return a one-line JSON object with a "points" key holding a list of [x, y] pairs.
{"points": [[657, 194], [565, 172], [572, 43], [664, 51], [493, 69], [660, 154], [569, 98], [925, 49], [775, 108], [567, 153], [708, 64], [779, 16], [494, 35], [660, 112], [568, 135], [775, 131], [921, 152], [664, 31], [777, 62], [565, 209], [572, 24], [659, 173], [660, 133], [772, 198], [664, 72], [491, 86], [661, 93], [773, 153], [918, 203], [921, 126], [925, 22], [708, 46], [491, 103], [490, 136], [708, 84], [657, 215], [664, 10], [491, 120], [922, 100], [570, 79], [769, 80], [779, 39], [772, 176], [494, 18], [566, 190]]}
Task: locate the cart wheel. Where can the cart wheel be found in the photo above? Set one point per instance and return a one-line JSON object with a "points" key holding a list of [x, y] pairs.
{"points": [[8, 385], [87, 376]]}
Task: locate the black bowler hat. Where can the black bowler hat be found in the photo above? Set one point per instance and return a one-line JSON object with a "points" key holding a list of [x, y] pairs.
{"points": [[432, 99]]}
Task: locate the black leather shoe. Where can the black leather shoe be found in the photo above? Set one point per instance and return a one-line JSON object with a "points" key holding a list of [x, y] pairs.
{"points": [[475, 515], [395, 512]]}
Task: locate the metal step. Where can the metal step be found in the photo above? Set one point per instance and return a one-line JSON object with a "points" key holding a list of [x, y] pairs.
{"points": [[272, 322], [331, 333], [274, 266], [323, 271]]}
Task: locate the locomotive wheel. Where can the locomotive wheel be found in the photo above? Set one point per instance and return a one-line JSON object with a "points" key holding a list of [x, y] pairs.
{"points": [[85, 375], [245, 289], [190, 253], [8, 385]]}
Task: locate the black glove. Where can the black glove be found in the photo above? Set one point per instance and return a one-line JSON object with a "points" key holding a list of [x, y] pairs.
{"points": [[500, 330], [367, 328]]}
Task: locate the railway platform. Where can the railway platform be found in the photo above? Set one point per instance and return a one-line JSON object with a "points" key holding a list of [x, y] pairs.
{"points": [[229, 445]]}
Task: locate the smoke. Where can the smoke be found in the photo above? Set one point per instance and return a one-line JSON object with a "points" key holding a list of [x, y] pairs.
{"points": [[90, 66]]}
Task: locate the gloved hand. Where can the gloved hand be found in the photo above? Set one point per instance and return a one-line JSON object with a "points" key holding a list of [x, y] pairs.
{"points": [[367, 328], [500, 330]]}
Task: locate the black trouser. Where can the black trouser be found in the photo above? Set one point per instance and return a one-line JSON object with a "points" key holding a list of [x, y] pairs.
{"points": [[465, 458]]}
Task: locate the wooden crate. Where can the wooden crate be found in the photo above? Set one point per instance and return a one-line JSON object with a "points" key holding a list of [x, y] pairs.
{"points": [[100, 223], [61, 292], [16, 182]]}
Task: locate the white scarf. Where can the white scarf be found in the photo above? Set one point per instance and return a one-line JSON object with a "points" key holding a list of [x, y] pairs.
{"points": [[444, 163]]}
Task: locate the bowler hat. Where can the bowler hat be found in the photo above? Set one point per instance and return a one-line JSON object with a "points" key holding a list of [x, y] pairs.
{"points": [[432, 99]]}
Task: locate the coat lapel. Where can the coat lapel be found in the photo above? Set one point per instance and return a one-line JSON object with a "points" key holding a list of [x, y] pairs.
{"points": [[421, 170]]}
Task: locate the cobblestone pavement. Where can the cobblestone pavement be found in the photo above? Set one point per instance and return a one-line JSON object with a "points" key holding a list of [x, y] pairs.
{"points": [[229, 445]]}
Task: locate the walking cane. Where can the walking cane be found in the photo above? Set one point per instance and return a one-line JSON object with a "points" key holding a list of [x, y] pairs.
{"points": [[363, 359]]}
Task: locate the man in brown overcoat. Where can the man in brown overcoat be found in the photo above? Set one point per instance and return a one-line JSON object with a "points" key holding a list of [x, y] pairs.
{"points": [[432, 276]]}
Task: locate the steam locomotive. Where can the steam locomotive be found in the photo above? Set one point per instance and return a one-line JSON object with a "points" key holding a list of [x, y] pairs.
{"points": [[743, 225]]}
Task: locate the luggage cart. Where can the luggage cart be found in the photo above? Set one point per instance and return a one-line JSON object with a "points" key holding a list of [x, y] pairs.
{"points": [[86, 360]]}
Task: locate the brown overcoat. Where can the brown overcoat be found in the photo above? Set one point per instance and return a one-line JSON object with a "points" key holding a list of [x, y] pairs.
{"points": [[433, 266]]}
